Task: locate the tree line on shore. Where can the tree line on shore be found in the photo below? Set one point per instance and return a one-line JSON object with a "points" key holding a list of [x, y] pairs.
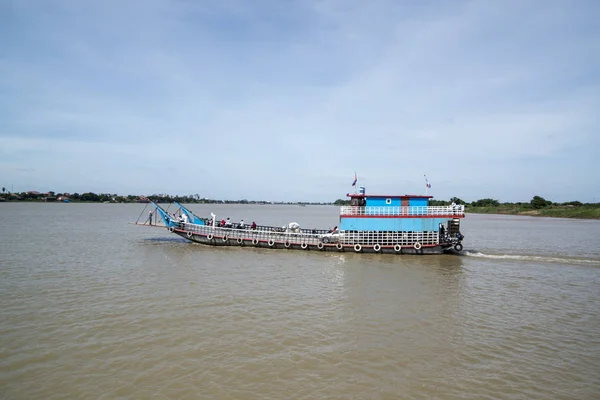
{"points": [[91, 197], [481, 205]]}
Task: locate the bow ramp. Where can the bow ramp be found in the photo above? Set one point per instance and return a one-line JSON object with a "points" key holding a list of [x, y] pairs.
{"points": [[154, 215], [191, 217]]}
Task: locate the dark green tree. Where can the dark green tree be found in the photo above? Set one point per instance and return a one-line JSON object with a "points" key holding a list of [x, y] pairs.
{"points": [[486, 203], [539, 202], [89, 196], [457, 201], [340, 202]]}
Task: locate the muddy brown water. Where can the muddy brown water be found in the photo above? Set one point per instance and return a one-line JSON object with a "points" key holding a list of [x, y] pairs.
{"points": [[93, 307]]}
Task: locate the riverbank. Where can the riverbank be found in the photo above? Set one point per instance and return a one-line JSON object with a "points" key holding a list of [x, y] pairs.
{"points": [[577, 212]]}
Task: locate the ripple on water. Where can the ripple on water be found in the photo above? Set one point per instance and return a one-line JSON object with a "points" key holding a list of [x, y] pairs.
{"points": [[108, 313]]}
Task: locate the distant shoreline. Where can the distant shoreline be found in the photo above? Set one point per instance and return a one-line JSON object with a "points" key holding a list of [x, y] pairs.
{"points": [[228, 202], [582, 212], [537, 207], [89, 197]]}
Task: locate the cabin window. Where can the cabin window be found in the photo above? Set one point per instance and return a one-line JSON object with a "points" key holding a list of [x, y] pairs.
{"points": [[388, 201], [354, 202]]}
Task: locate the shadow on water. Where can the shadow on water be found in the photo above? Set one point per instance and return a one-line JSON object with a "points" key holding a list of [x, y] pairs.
{"points": [[165, 240], [450, 262]]}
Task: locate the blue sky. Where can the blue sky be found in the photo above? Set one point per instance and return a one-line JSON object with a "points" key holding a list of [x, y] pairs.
{"points": [[285, 100]]}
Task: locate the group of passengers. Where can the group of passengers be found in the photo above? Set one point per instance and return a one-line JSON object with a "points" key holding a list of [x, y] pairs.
{"points": [[227, 223]]}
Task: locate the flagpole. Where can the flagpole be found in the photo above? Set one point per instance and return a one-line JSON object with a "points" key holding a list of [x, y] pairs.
{"points": [[426, 185]]}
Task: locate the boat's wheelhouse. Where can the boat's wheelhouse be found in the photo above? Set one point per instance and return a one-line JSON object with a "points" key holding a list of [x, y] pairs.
{"points": [[407, 215]]}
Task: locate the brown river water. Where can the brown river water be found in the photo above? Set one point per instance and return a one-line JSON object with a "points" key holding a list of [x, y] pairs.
{"points": [[92, 307]]}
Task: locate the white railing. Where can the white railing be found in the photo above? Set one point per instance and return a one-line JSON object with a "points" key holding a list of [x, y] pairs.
{"points": [[347, 238], [458, 210], [261, 233], [391, 238]]}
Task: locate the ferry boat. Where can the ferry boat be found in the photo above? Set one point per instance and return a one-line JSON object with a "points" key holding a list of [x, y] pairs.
{"points": [[393, 224]]}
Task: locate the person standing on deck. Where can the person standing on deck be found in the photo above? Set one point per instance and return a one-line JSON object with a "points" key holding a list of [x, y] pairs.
{"points": [[242, 224], [150, 218]]}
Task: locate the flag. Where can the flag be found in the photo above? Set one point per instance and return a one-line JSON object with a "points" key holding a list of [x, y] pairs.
{"points": [[355, 179], [427, 184]]}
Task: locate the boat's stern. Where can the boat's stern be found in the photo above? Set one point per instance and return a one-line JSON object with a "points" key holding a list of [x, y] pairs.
{"points": [[452, 237]]}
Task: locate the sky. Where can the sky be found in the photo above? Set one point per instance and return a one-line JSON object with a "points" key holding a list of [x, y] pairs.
{"points": [[285, 100]]}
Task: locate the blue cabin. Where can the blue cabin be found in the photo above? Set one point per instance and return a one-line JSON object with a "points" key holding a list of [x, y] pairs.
{"points": [[392, 213]]}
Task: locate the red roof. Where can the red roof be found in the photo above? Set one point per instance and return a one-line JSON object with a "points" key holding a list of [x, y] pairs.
{"points": [[390, 196]]}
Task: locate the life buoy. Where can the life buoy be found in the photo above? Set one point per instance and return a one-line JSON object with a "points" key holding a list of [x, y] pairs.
{"points": [[339, 246], [190, 234], [417, 246], [209, 236], [255, 242], [357, 248], [171, 229], [397, 248], [458, 247], [240, 240], [304, 245], [287, 245], [320, 246], [377, 247], [225, 238], [271, 242]]}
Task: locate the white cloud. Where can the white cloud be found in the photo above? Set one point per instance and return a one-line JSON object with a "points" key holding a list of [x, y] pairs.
{"points": [[221, 95]]}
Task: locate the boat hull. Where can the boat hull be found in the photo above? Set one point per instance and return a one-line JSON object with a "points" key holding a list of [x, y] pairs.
{"points": [[264, 243]]}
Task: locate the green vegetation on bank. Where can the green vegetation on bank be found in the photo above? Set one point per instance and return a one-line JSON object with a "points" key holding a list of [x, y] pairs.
{"points": [[563, 210], [538, 206], [89, 197]]}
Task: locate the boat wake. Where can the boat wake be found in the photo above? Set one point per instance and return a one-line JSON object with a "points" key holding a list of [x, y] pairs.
{"points": [[543, 259]]}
